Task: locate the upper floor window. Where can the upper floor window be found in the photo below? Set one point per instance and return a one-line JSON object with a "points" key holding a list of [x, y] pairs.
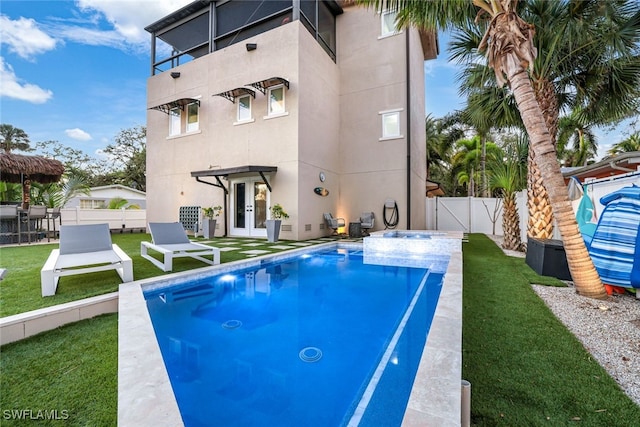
{"points": [[184, 118], [244, 108], [390, 124], [388, 23], [276, 101], [174, 121], [193, 117]]}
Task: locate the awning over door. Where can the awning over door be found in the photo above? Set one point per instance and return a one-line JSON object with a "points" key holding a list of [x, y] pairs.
{"points": [[227, 172], [178, 103]]}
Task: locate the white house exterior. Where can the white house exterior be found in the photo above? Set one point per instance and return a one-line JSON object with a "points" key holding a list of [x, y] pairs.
{"points": [[100, 197]]}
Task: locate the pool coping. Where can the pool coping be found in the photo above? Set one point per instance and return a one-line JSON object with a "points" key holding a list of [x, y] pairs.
{"points": [[145, 395]]}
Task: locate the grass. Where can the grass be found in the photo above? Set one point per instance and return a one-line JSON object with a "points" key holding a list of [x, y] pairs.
{"points": [[525, 368], [72, 370], [20, 290]]}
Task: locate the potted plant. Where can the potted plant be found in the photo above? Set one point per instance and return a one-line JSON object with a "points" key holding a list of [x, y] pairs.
{"points": [[209, 223], [273, 224]]}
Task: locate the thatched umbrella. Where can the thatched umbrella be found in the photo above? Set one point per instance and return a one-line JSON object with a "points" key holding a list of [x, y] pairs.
{"points": [[19, 169]]}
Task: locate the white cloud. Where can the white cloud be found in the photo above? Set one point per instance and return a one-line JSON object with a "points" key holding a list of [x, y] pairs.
{"points": [[12, 87], [24, 38], [130, 17], [77, 134], [91, 36]]}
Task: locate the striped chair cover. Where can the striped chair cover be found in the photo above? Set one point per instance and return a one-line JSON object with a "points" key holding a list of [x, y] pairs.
{"points": [[615, 248]]}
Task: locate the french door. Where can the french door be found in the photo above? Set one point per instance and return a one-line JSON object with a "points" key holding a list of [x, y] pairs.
{"points": [[249, 204]]}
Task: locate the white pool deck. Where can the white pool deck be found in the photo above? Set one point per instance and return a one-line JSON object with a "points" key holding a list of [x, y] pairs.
{"points": [[145, 396]]}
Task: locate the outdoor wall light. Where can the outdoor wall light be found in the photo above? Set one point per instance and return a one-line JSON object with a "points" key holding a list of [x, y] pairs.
{"points": [[251, 46], [175, 74]]}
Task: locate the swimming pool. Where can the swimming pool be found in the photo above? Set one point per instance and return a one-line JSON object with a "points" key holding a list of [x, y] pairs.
{"points": [[145, 394], [294, 342]]}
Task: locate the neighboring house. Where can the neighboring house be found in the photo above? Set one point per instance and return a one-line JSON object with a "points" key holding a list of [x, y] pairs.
{"points": [[606, 176], [100, 197], [253, 103]]}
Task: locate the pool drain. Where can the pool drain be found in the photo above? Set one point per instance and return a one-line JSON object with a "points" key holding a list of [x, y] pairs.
{"points": [[232, 324], [310, 354]]}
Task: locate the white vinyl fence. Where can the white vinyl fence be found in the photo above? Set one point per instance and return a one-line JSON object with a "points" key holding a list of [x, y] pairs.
{"points": [[118, 219], [484, 215], [472, 214]]}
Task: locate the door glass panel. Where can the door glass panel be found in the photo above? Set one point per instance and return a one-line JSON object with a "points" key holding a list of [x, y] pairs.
{"points": [[260, 204], [239, 217]]}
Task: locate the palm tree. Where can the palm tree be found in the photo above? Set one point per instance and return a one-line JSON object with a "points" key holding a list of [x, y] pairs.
{"points": [[467, 161], [441, 137], [13, 139], [590, 64], [510, 52], [509, 176], [630, 144], [57, 194], [576, 142]]}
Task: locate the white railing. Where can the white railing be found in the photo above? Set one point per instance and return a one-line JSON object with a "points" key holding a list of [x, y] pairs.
{"points": [[116, 218]]}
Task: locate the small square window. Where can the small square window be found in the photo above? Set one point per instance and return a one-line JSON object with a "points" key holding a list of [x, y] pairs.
{"points": [[174, 122], [244, 108], [276, 101], [388, 21], [391, 124], [193, 117]]}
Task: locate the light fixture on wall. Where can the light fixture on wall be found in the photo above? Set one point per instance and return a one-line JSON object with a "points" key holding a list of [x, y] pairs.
{"points": [[251, 46], [175, 74]]}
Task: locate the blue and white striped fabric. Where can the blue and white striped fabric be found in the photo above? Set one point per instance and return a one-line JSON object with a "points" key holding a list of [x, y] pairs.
{"points": [[615, 247]]}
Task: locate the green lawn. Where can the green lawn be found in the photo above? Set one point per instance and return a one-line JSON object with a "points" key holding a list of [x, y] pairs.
{"points": [[525, 368], [20, 290]]}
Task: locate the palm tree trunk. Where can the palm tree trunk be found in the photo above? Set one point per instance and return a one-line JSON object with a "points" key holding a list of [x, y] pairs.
{"points": [[511, 223], [483, 167], [585, 277], [540, 223]]}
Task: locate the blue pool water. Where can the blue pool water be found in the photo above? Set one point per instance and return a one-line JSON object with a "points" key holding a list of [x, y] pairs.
{"points": [[295, 342]]}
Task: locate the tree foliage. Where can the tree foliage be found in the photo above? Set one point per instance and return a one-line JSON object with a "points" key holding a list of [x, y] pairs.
{"points": [[12, 138], [129, 154]]}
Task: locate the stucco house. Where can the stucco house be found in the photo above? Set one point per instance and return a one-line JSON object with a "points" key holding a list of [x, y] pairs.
{"points": [[314, 105]]}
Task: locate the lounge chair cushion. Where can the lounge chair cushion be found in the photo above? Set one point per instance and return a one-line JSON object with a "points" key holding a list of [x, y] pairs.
{"points": [[74, 239], [167, 233]]}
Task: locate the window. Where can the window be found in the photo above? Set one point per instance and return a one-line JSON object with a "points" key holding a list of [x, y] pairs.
{"points": [[244, 108], [184, 118], [174, 121], [276, 101], [388, 19], [93, 204], [391, 124], [193, 120]]}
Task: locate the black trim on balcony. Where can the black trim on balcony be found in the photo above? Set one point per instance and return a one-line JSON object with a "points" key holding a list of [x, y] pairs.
{"points": [[265, 84], [178, 103], [232, 94]]}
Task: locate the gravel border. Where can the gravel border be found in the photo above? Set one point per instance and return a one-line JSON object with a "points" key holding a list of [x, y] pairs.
{"points": [[608, 329]]}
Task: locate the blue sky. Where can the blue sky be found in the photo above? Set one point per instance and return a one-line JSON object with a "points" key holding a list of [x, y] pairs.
{"points": [[76, 71]]}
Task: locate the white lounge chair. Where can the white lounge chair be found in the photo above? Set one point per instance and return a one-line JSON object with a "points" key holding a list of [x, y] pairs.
{"points": [[170, 239], [84, 249]]}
